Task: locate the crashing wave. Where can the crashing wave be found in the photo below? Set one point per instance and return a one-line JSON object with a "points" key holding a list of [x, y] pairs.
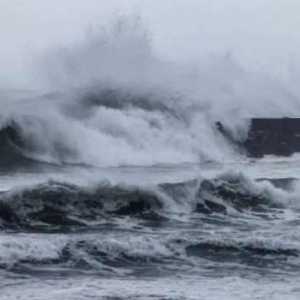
{"points": [[56, 205], [25, 143], [98, 253], [11, 145], [107, 253], [62, 205], [119, 103], [235, 191]]}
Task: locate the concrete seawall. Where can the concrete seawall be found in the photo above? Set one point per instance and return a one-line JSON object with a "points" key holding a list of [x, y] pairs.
{"points": [[267, 136]]}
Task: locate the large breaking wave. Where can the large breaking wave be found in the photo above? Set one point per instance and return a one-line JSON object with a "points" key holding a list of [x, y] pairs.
{"points": [[116, 102]]}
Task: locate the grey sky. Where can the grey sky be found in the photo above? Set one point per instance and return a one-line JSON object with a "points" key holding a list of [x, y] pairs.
{"points": [[256, 31]]}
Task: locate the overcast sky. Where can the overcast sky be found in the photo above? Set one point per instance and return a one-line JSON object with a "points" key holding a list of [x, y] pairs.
{"points": [[257, 31]]}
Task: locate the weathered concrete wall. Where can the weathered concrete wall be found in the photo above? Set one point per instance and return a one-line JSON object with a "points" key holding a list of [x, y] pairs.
{"points": [[267, 136]]}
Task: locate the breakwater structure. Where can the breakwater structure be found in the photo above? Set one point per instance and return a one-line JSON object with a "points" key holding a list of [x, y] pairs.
{"points": [[268, 136]]}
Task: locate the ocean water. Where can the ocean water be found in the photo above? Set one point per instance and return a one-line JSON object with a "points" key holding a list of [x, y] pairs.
{"points": [[171, 232], [116, 184]]}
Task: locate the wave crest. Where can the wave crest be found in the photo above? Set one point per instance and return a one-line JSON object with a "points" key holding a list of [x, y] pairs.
{"points": [[56, 205]]}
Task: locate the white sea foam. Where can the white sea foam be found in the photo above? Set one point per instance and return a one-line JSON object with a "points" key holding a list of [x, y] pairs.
{"points": [[160, 111]]}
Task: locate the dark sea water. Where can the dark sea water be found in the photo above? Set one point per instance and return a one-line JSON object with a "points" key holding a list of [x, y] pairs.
{"points": [[170, 232]]}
